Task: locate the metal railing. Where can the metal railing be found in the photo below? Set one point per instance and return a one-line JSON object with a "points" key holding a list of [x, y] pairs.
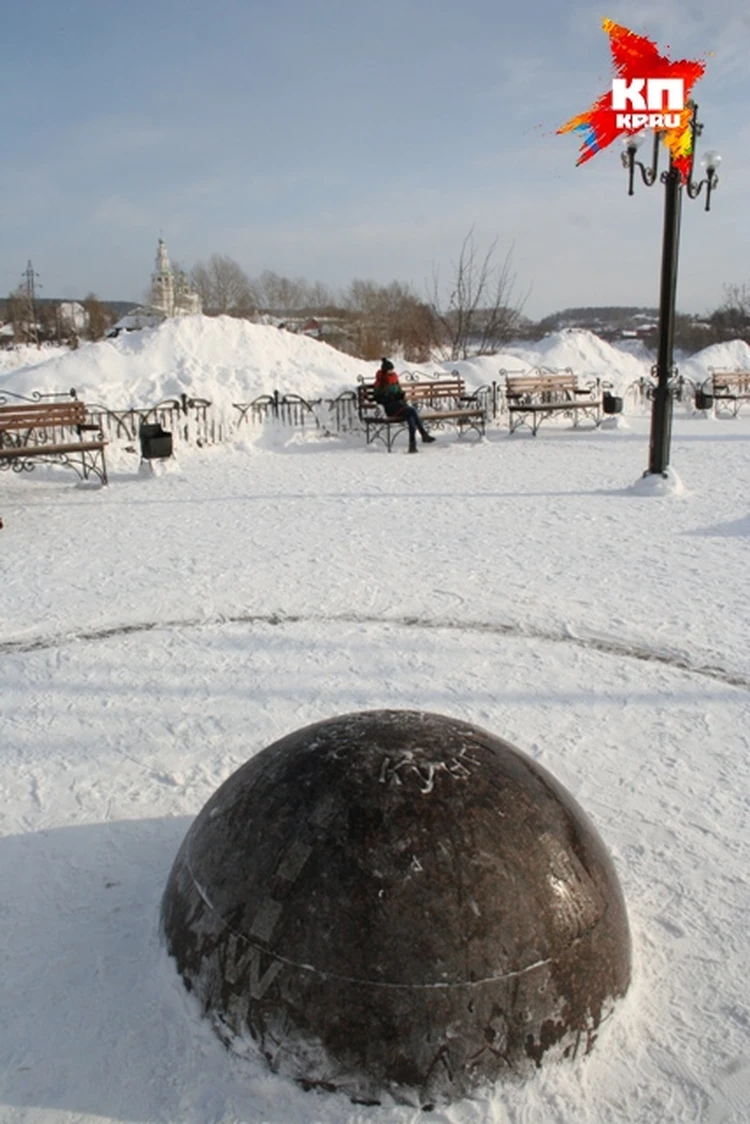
{"points": [[640, 393], [189, 420], [329, 415]]}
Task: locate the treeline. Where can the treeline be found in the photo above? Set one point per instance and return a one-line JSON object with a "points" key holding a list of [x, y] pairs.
{"points": [[41, 320], [730, 321], [474, 312], [611, 313], [480, 314]]}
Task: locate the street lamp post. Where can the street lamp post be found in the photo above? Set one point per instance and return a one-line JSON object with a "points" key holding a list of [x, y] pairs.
{"points": [[661, 414]]}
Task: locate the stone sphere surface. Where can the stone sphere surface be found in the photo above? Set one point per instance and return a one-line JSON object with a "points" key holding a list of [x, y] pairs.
{"points": [[398, 902]]}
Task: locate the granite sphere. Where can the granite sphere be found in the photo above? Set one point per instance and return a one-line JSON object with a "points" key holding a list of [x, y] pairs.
{"points": [[398, 903]]}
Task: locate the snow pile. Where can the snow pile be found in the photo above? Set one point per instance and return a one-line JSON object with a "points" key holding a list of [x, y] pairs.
{"points": [[577, 349], [222, 359], [734, 355], [638, 349], [486, 369], [226, 360], [27, 355], [587, 356]]}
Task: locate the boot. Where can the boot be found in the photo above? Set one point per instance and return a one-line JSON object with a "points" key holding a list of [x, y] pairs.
{"points": [[413, 447], [427, 439]]}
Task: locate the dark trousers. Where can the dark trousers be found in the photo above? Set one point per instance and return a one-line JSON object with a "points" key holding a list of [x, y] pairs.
{"points": [[412, 419]]}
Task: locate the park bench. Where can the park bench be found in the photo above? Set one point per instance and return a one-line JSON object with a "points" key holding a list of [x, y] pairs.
{"points": [[531, 398], [441, 402], [729, 390], [50, 432]]}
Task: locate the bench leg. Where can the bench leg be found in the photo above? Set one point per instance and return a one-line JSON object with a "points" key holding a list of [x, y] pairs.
{"points": [[96, 464], [515, 420], [382, 431], [477, 424]]}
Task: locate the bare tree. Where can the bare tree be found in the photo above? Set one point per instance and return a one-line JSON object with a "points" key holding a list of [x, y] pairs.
{"points": [[48, 320], [223, 287], [732, 319], [319, 297], [480, 314], [98, 318], [201, 280], [20, 314], [737, 297], [388, 318], [416, 329], [281, 295]]}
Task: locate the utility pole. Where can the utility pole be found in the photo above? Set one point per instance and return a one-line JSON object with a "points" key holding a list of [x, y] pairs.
{"points": [[28, 290]]}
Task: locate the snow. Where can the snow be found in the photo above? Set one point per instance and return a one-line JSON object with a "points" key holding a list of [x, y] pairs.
{"points": [[220, 358], [158, 632], [732, 356], [25, 355]]}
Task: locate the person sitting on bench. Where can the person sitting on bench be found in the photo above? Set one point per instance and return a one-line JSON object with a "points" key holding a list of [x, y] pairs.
{"points": [[389, 393]]}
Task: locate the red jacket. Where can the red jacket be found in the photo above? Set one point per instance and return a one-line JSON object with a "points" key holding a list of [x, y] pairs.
{"points": [[387, 391]]}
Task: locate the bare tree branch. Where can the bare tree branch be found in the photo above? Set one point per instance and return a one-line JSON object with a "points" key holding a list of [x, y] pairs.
{"points": [[223, 287], [480, 314]]}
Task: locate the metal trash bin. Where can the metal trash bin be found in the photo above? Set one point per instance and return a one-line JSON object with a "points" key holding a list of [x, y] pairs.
{"points": [[703, 401], [156, 443], [611, 403]]}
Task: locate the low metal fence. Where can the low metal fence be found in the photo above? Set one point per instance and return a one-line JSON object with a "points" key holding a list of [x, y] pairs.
{"points": [[640, 393], [190, 420], [329, 415]]}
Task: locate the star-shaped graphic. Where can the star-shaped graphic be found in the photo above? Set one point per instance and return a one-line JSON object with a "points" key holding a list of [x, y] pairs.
{"points": [[635, 56]]}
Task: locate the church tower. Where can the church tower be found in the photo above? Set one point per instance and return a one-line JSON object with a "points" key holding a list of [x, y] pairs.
{"points": [[162, 282], [186, 301]]}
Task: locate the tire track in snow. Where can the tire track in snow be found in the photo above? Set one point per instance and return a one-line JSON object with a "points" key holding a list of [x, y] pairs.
{"points": [[607, 645]]}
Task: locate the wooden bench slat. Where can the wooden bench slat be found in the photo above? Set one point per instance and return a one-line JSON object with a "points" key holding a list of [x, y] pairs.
{"points": [[68, 414], [449, 415], [33, 408], [730, 387], [7, 452], [438, 416], [542, 395], [43, 418]]}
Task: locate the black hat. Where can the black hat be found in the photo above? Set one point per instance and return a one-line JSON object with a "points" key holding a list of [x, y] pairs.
{"points": [[386, 365]]}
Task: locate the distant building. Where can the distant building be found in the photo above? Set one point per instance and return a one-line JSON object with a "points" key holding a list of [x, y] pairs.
{"points": [[312, 328], [140, 317], [171, 294], [73, 316]]}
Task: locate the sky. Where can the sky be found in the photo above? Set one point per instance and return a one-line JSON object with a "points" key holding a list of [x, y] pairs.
{"points": [[157, 633], [337, 141]]}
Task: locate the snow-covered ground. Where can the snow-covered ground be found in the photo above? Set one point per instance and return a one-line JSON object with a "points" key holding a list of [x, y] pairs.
{"points": [[156, 633]]}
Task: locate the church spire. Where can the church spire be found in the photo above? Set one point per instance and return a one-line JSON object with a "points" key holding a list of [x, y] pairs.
{"points": [[171, 292], [162, 281]]}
